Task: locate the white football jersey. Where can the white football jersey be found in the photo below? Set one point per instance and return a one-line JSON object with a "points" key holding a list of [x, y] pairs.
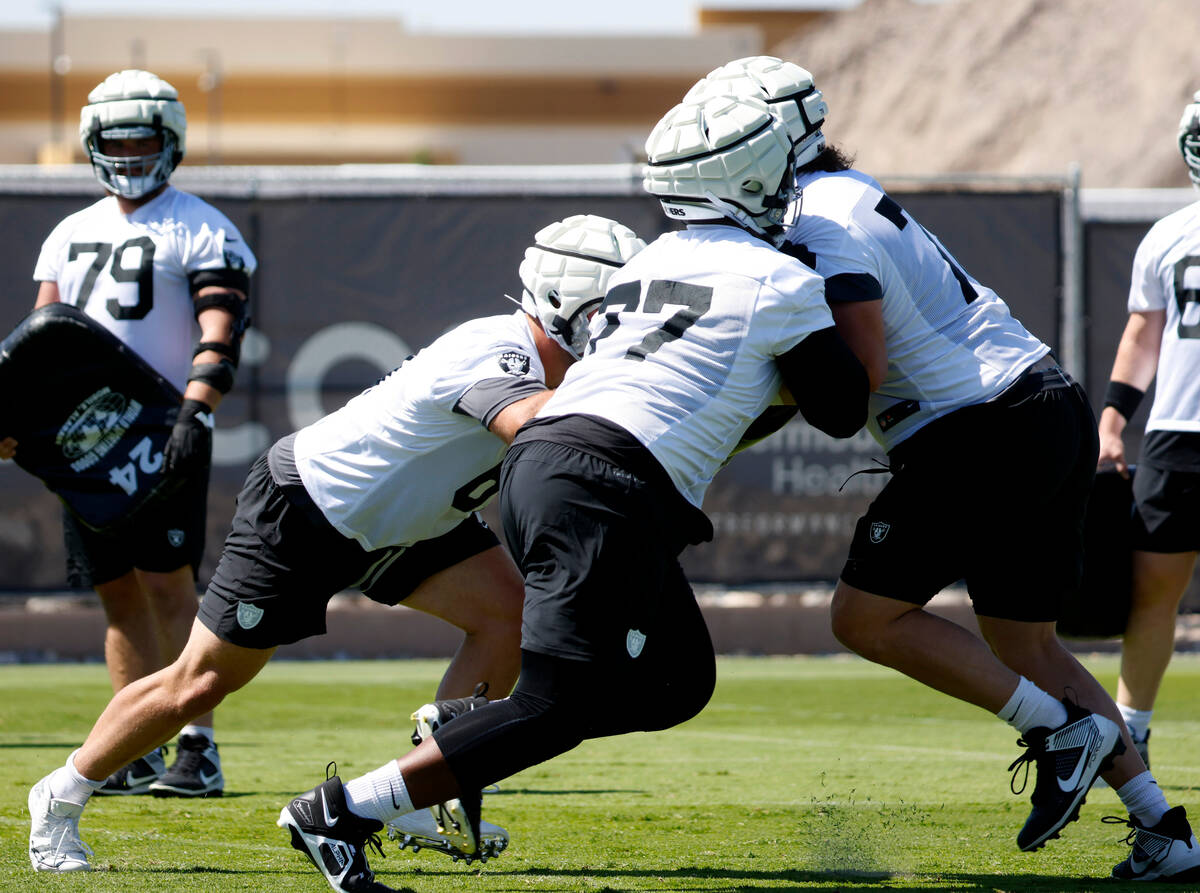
{"points": [[951, 342], [1166, 276], [682, 353], [134, 274], [408, 459]]}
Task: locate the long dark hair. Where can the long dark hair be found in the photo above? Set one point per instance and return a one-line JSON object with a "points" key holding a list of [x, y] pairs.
{"points": [[830, 161]]}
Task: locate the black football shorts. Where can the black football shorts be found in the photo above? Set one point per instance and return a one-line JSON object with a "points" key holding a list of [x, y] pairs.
{"points": [[992, 494], [281, 565], [1167, 513], [598, 548]]}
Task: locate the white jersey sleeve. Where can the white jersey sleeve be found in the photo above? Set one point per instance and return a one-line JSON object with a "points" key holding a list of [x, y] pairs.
{"points": [[683, 350], [951, 341], [135, 274], [411, 457], [1166, 276]]}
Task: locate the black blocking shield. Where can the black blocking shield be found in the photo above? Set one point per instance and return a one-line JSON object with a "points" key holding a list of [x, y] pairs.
{"points": [[1100, 609], [89, 415]]}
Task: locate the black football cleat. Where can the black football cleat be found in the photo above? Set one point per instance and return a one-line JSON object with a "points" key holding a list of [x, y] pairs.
{"points": [[1166, 852], [1068, 759], [333, 838]]}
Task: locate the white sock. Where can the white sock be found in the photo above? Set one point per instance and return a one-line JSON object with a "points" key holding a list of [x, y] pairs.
{"points": [[1143, 799], [67, 784], [380, 794], [1138, 721], [1030, 707], [204, 731]]}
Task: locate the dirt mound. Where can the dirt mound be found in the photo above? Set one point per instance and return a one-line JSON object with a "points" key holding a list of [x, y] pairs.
{"points": [[1019, 87]]}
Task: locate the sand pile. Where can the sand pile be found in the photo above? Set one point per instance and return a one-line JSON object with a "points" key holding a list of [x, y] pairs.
{"points": [[1009, 86]]}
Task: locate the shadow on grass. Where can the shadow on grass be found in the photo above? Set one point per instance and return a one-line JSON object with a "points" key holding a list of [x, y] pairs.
{"points": [[790, 879], [551, 792], [230, 872]]}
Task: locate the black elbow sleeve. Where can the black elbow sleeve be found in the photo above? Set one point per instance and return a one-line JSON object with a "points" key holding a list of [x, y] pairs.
{"points": [[828, 382]]}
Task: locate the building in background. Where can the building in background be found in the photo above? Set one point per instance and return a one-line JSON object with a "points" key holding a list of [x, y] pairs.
{"points": [[315, 91]]}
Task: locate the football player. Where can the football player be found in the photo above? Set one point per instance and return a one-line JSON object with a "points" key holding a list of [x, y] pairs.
{"points": [[991, 448], [1161, 340], [144, 262], [602, 489], [382, 495]]}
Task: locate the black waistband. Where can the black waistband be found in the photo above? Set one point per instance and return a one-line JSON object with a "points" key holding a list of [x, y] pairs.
{"points": [[1044, 375], [613, 444], [281, 461]]}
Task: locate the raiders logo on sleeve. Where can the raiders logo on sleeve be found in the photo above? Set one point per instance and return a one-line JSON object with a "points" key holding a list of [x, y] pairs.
{"points": [[514, 362]]}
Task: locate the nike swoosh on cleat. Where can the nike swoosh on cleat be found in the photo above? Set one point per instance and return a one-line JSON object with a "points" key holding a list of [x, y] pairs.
{"points": [[1140, 868], [329, 820], [1069, 784]]}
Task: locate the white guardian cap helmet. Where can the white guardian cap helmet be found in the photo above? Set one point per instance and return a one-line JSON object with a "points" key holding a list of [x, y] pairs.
{"points": [[722, 157], [133, 104], [566, 271], [1189, 138], [785, 87]]}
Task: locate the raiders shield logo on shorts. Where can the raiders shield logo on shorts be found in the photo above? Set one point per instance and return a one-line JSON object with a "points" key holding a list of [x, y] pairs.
{"points": [[635, 641], [248, 615], [879, 529], [175, 537]]}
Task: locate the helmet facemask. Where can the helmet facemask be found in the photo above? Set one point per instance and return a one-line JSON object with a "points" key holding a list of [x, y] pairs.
{"points": [[571, 332], [133, 176], [1189, 139]]}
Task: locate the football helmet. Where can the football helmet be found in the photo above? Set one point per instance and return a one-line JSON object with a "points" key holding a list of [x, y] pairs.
{"points": [[722, 157], [785, 87], [565, 274], [1189, 138], [133, 104]]}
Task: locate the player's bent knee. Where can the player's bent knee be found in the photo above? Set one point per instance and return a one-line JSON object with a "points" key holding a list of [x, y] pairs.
{"points": [[195, 693], [524, 729], [846, 626]]}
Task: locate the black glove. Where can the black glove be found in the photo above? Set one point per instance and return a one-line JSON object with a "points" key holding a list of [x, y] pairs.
{"points": [[190, 444]]}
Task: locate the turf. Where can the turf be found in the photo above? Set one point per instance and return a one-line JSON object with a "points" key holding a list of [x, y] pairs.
{"points": [[802, 774]]}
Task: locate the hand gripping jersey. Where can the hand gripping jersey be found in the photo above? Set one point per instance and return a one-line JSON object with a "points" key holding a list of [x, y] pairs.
{"points": [[409, 458], [1166, 276], [93, 429], [136, 274], [951, 342], [682, 353]]}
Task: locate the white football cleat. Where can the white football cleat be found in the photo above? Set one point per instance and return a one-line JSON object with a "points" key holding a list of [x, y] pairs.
{"points": [[54, 842], [458, 819], [419, 830]]}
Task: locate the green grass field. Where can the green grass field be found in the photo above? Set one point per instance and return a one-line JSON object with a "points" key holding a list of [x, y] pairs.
{"points": [[802, 773]]}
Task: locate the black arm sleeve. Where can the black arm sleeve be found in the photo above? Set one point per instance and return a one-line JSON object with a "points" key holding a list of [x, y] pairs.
{"points": [[828, 382]]}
